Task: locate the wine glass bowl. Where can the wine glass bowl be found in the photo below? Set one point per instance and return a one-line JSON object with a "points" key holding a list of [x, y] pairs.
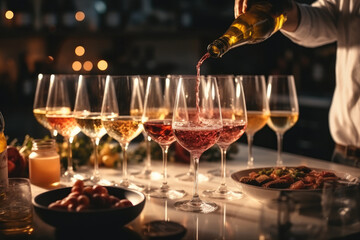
{"points": [[257, 108], [157, 121], [283, 105], [39, 108], [87, 112], [197, 125], [234, 117], [121, 116], [59, 112]]}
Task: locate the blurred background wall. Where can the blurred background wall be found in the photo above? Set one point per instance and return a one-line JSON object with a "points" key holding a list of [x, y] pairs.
{"points": [[152, 37]]}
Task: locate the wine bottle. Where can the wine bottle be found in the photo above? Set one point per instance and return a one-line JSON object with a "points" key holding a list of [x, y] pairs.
{"points": [[259, 22], [3, 158]]}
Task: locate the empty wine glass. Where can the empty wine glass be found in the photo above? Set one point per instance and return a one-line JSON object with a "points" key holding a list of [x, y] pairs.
{"points": [[59, 112], [283, 106], [197, 124], [39, 108], [120, 115], [157, 119], [257, 108], [233, 111], [87, 112]]}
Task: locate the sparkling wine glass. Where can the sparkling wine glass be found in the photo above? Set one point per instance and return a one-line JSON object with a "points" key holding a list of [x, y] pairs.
{"points": [[284, 108], [157, 119], [197, 125], [87, 112], [233, 111], [39, 108], [59, 112], [147, 172], [121, 115], [257, 108]]}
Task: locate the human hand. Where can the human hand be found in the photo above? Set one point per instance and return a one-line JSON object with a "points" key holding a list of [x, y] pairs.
{"points": [[241, 6]]}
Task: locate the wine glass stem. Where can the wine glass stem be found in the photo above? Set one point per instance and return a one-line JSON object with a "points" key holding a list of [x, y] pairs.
{"points": [[250, 162], [164, 186], [191, 168], [148, 153], [223, 167], [124, 165], [96, 173], [195, 197], [279, 161], [70, 168]]}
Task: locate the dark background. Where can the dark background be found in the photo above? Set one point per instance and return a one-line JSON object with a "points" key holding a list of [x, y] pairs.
{"points": [[153, 37]]}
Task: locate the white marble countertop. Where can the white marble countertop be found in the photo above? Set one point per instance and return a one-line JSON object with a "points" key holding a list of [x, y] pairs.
{"points": [[235, 219]]}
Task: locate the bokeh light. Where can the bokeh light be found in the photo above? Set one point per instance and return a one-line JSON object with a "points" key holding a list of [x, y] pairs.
{"points": [[79, 50], [9, 14], [76, 66], [79, 16], [88, 66], [102, 65]]}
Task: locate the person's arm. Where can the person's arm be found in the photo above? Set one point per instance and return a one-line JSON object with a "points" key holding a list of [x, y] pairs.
{"points": [[292, 13]]}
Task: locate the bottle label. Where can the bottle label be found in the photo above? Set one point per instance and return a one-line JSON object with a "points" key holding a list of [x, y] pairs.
{"points": [[3, 168]]}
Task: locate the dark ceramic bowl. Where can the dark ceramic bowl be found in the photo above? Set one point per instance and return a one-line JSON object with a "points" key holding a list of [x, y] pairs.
{"points": [[93, 217]]}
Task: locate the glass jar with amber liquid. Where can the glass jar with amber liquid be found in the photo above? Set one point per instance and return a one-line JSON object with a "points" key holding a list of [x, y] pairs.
{"points": [[44, 163]]}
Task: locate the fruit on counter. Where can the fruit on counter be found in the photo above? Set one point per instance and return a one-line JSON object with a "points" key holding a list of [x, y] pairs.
{"points": [[83, 198], [108, 155], [17, 164]]}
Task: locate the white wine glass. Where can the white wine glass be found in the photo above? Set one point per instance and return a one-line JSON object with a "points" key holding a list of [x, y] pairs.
{"points": [[197, 125], [59, 112], [157, 119], [283, 106], [39, 107], [234, 117], [87, 112], [120, 115], [257, 108]]}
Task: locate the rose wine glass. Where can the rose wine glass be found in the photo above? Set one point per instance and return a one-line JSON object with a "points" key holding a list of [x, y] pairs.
{"points": [[197, 125], [257, 108], [284, 108], [189, 175], [147, 172], [39, 108], [120, 115], [233, 111], [87, 112], [157, 119], [59, 112]]}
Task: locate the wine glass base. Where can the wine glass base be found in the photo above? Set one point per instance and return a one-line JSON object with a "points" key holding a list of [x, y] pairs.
{"points": [[189, 177], [69, 177], [217, 172], [100, 181], [148, 174], [228, 195], [130, 185], [199, 207], [168, 194]]}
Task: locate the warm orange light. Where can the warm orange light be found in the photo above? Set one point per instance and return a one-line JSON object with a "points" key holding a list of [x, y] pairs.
{"points": [[50, 58], [79, 50], [88, 66], [79, 16], [9, 14], [102, 65], [76, 66]]}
